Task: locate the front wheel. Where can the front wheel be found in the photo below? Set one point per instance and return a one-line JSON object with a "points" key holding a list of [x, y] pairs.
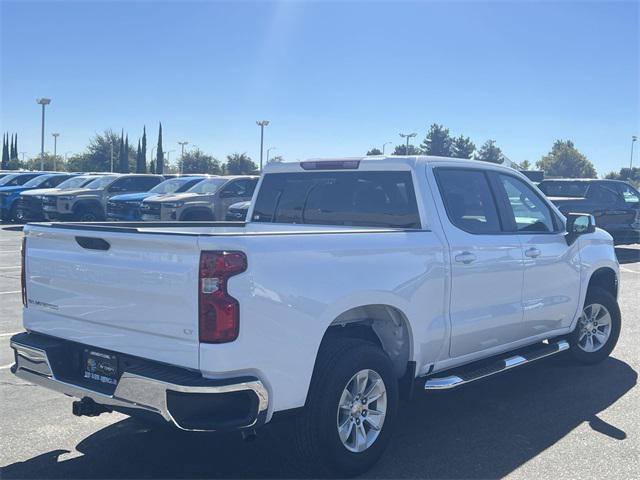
{"points": [[598, 328], [350, 411]]}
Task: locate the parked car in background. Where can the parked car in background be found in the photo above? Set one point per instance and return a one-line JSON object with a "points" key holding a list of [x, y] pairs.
{"points": [[127, 207], [9, 195], [238, 211], [88, 204], [355, 283], [208, 200], [30, 204], [18, 178], [614, 204]]}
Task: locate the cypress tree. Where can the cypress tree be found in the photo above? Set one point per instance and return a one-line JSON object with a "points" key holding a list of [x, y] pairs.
{"points": [[15, 147], [143, 151], [11, 148], [160, 153], [126, 155], [5, 152], [139, 162], [121, 157]]}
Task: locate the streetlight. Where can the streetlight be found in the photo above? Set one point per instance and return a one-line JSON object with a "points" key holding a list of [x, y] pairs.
{"points": [[168, 152], [55, 148], [262, 124], [407, 136], [384, 145], [634, 139], [182, 144], [22, 153], [43, 102], [268, 150]]}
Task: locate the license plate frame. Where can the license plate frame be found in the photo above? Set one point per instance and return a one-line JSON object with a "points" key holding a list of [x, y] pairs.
{"points": [[101, 367]]}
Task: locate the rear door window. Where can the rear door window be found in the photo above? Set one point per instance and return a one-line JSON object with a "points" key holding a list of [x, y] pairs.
{"points": [[564, 189], [368, 199], [468, 200]]}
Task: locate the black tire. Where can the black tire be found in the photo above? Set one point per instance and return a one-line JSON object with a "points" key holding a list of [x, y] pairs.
{"points": [[315, 431], [602, 297], [87, 214], [14, 214]]}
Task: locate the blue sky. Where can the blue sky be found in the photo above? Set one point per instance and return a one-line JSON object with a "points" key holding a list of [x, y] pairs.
{"points": [[334, 78]]}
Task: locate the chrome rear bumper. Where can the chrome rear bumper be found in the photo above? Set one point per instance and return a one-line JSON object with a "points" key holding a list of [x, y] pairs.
{"points": [[135, 391]]}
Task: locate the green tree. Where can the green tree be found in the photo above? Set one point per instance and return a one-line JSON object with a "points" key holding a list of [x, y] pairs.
{"points": [[564, 160], [631, 175], [402, 150], [489, 152], [462, 147], [15, 148], [34, 163], [97, 157], [143, 151], [374, 151], [196, 161], [160, 153], [276, 159], [525, 165], [437, 142], [141, 166], [5, 152], [240, 164]]}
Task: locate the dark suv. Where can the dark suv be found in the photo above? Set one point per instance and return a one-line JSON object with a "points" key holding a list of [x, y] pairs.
{"points": [[614, 204]]}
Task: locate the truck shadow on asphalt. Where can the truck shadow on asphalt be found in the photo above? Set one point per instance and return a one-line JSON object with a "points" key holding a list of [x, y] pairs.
{"points": [[482, 430]]}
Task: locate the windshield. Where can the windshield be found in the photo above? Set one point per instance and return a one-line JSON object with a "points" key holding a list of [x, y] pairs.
{"points": [[7, 179], [174, 185], [75, 182], [564, 189], [34, 182], [101, 182], [208, 186]]}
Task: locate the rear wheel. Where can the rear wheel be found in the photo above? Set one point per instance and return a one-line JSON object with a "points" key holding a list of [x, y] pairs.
{"points": [[15, 215], [351, 409], [598, 328]]}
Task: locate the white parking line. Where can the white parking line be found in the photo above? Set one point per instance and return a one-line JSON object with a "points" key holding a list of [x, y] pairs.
{"points": [[8, 293], [10, 334], [8, 268], [625, 269], [4, 367]]}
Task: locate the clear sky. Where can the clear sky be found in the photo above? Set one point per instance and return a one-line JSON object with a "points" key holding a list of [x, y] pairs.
{"points": [[334, 78]]}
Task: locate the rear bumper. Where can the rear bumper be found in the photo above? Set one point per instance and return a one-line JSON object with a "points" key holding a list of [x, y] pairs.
{"points": [[181, 397]]}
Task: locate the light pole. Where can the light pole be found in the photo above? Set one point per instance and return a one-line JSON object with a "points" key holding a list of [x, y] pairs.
{"points": [[55, 149], [268, 150], [407, 136], [168, 152], [384, 145], [262, 124], [43, 102], [634, 139], [22, 153], [182, 144]]}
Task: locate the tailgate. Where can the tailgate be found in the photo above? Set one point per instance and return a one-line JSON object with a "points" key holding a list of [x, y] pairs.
{"points": [[139, 296]]}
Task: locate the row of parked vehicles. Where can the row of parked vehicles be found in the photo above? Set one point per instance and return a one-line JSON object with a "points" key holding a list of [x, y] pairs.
{"points": [[90, 197], [87, 197]]}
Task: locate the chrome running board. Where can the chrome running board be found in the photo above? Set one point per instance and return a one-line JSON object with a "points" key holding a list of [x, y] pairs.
{"points": [[499, 366]]}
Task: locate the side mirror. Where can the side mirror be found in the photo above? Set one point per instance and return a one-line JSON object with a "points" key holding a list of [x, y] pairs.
{"points": [[579, 224], [227, 194]]}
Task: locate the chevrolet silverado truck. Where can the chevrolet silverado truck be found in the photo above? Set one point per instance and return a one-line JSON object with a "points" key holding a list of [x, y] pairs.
{"points": [[29, 205], [127, 207], [354, 283], [89, 203], [614, 204], [208, 200]]}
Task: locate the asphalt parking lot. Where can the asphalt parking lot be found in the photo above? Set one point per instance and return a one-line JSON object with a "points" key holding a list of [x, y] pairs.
{"points": [[548, 420]]}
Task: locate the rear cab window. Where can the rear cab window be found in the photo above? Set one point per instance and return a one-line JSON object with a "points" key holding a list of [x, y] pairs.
{"points": [[383, 199], [564, 189]]}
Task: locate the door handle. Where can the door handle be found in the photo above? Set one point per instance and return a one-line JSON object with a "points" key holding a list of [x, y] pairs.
{"points": [[465, 257], [532, 252]]}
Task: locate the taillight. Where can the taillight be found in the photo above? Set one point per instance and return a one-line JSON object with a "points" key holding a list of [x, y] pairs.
{"points": [[330, 165], [218, 312], [23, 271]]}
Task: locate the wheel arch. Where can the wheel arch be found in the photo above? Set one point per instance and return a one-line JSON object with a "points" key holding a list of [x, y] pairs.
{"points": [[384, 325], [197, 210], [605, 278]]}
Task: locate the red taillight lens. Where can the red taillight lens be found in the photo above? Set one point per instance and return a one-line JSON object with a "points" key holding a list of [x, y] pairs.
{"points": [[218, 312], [23, 271]]}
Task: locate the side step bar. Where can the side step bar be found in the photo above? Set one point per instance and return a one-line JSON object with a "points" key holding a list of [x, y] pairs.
{"points": [[499, 366]]}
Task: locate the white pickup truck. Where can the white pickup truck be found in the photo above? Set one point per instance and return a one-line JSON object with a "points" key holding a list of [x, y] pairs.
{"points": [[353, 282]]}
